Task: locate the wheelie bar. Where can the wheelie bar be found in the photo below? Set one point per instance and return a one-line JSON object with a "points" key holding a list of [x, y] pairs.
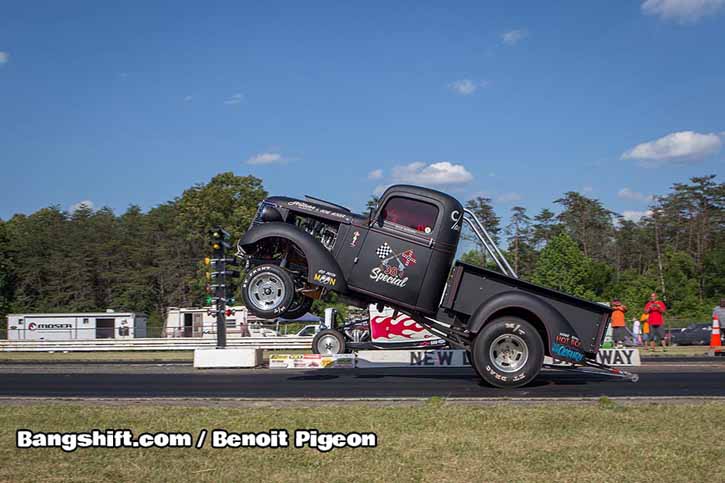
{"points": [[601, 369]]}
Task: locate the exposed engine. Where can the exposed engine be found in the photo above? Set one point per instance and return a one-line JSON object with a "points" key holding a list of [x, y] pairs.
{"points": [[324, 232]]}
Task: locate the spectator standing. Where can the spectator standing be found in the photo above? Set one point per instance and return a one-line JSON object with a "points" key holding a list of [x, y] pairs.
{"points": [[637, 331], [618, 322], [655, 309], [645, 329]]}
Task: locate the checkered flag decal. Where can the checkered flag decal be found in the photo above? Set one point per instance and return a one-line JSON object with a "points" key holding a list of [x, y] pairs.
{"points": [[384, 251]]}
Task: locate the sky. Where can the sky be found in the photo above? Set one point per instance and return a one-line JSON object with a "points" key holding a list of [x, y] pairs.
{"points": [[133, 102]]}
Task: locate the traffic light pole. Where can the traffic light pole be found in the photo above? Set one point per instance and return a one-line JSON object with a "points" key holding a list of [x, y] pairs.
{"points": [[218, 276], [221, 308]]}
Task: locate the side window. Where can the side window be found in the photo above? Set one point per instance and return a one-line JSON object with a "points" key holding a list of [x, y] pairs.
{"points": [[414, 214]]}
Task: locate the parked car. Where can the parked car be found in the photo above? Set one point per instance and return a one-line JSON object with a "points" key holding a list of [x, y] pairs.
{"points": [[693, 334], [308, 330]]}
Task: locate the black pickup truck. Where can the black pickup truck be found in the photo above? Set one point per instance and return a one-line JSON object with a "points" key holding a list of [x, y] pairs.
{"points": [[402, 256]]}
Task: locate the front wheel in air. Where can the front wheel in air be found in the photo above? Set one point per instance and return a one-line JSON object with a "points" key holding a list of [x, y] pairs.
{"points": [[268, 291], [328, 342], [508, 352]]}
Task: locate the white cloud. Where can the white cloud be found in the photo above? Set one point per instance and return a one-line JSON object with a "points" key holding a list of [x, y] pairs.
{"points": [[85, 203], [267, 158], [234, 99], [510, 197], [682, 11], [628, 194], [466, 87], [4, 57], [587, 189], [375, 174], [435, 174], [675, 148], [513, 37], [633, 215]]}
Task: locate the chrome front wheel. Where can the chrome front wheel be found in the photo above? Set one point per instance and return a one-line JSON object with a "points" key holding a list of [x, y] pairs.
{"points": [[268, 291]]}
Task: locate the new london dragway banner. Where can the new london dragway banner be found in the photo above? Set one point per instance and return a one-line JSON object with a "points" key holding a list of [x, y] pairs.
{"points": [[422, 358]]}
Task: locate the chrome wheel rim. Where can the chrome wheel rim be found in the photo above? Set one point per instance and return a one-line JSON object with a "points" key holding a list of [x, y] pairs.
{"points": [[266, 291], [508, 353], [328, 345]]}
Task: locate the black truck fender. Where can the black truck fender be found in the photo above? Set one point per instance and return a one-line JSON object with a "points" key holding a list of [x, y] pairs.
{"points": [[322, 269], [560, 339]]}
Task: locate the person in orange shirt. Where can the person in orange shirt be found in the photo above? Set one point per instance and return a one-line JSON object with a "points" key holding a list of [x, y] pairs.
{"points": [[618, 322]]}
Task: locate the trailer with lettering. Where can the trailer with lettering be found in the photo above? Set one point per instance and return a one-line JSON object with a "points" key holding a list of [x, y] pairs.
{"points": [[77, 326]]}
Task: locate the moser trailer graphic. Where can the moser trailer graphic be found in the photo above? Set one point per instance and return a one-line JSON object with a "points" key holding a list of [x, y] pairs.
{"points": [[402, 256], [81, 326]]}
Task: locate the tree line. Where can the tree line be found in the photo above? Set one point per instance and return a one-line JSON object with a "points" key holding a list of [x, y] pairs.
{"points": [[676, 249], [90, 260]]}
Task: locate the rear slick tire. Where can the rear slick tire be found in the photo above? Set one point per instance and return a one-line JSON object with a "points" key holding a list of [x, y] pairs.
{"points": [[508, 352]]}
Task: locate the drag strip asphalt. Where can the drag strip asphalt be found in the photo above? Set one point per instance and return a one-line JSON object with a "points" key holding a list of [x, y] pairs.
{"points": [[666, 379]]}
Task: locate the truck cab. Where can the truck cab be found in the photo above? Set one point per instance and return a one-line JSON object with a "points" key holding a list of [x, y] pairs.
{"points": [[402, 253], [399, 254]]}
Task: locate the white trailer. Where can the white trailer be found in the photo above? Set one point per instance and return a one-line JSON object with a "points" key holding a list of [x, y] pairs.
{"points": [[78, 326], [198, 322]]}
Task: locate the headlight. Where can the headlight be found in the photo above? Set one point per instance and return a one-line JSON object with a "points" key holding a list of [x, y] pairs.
{"points": [[269, 214]]}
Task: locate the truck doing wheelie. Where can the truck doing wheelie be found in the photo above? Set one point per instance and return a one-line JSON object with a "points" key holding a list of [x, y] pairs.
{"points": [[402, 256]]}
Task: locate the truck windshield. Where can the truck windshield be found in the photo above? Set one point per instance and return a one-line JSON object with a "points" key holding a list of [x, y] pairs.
{"points": [[414, 214]]}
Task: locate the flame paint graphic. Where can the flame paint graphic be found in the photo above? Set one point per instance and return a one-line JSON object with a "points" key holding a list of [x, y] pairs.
{"points": [[385, 327]]}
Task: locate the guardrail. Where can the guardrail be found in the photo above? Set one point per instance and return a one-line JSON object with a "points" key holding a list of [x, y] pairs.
{"points": [[163, 344]]}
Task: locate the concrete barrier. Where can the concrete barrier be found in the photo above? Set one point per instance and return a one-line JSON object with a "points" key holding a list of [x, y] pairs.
{"points": [[229, 357]]}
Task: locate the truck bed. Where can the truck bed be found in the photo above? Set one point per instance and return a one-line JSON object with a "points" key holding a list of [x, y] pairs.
{"points": [[470, 286]]}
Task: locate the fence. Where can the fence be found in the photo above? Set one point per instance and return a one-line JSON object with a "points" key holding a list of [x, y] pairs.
{"points": [[206, 330], [163, 344]]}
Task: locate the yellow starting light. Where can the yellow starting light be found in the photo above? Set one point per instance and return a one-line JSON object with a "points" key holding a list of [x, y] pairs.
{"points": [[216, 246], [207, 261]]}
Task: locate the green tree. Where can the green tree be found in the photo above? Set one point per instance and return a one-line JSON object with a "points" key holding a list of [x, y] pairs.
{"points": [[519, 241], [544, 228], [563, 267], [7, 279], [37, 245], [227, 200], [483, 209], [372, 203], [588, 223], [633, 289], [682, 286]]}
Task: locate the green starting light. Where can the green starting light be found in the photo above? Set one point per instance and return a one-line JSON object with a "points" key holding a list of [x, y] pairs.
{"points": [[207, 300]]}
